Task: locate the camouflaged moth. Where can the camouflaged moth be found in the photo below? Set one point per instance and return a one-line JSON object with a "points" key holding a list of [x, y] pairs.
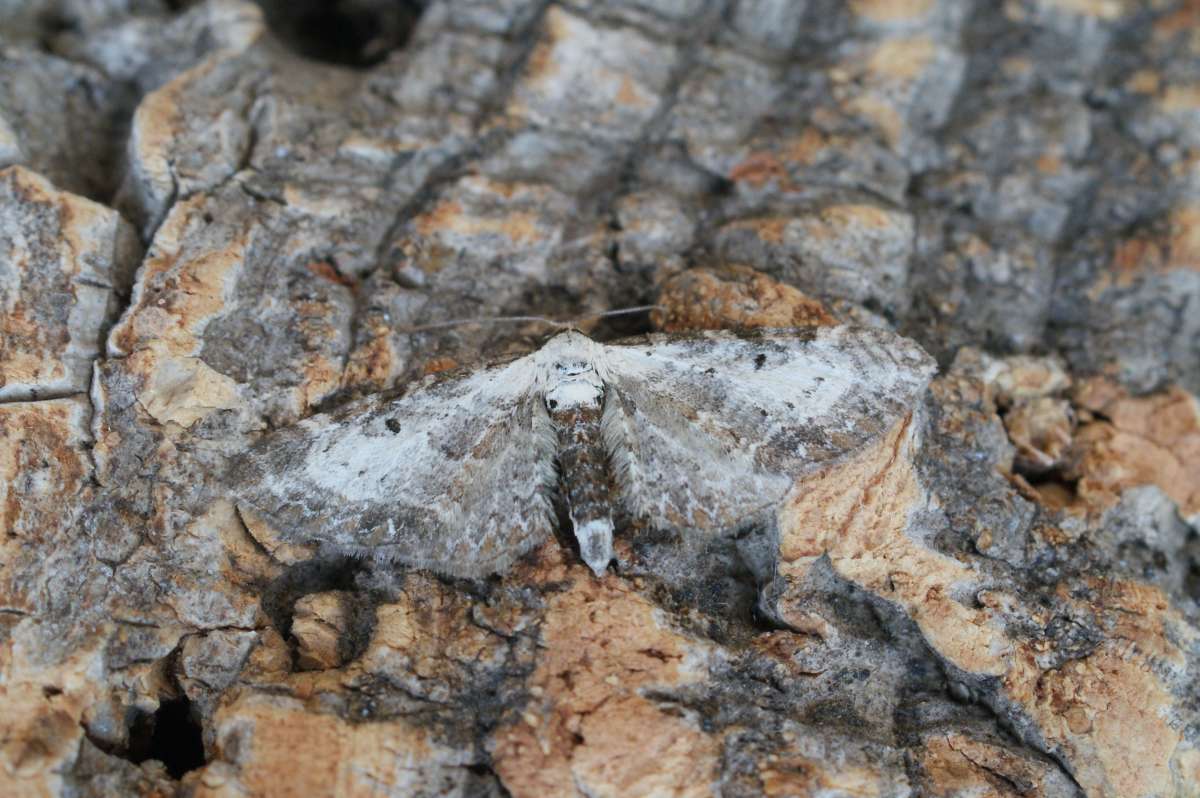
{"points": [[702, 433]]}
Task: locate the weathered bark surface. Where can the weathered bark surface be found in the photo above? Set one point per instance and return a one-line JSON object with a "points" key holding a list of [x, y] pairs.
{"points": [[216, 220]]}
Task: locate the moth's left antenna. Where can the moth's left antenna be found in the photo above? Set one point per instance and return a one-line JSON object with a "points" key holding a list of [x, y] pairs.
{"points": [[438, 325]]}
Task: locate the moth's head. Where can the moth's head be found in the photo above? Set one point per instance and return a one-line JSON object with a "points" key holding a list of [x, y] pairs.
{"points": [[567, 349]]}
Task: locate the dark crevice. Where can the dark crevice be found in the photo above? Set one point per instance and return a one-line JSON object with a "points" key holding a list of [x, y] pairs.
{"points": [[1191, 579], [171, 734], [484, 780], [353, 33], [511, 73]]}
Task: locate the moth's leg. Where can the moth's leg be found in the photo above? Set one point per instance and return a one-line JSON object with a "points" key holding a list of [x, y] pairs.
{"points": [[585, 477], [758, 546]]}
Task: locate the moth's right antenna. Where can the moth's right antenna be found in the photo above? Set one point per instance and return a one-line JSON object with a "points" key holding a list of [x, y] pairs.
{"points": [[603, 314]]}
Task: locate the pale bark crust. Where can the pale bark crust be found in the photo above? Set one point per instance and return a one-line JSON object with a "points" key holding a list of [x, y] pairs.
{"points": [[218, 218]]}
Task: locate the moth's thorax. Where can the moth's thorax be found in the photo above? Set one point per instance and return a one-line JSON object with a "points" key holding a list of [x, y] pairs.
{"points": [[578, 391], [568, 373]]}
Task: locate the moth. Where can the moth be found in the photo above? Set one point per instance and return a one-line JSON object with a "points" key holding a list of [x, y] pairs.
{"points": [[702, 434]]}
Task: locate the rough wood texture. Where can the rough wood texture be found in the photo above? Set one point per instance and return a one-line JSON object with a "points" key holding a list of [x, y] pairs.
{"points": [[217, 219]]}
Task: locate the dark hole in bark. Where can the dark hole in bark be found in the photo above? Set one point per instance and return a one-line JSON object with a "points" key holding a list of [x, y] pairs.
{"points": [[52, 25], [355, 33], [1191, 580], [171, 734]]}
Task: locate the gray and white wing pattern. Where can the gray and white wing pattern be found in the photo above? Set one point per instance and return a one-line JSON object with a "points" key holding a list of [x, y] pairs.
{"points": [[455, 475], [703, 433], [708, 430]]}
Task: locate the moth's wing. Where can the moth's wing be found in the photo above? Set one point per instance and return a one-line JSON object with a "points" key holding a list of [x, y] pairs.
{"points": [[454, 476], [707, 431]]}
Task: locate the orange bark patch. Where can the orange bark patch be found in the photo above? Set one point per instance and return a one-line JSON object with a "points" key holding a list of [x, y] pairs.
{"points": [[541, 65], [326, 271], [901, 59], [1185, 238], [891, 10], [870, 217], [588, 728], [1108, 711], [42, 465], [629, 93], [856, 512], [1184, 19], [735, 297], [437, 365], [1180, 98], [758, 169], [803, 149], [272, 745], [1049, 163], [770, 229], [438, 217], [1096, 9], [955, 764], [450, 217], [1152, 440]]}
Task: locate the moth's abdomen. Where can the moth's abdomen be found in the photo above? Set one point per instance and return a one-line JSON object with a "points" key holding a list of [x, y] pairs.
{"points": [[585, 480]]}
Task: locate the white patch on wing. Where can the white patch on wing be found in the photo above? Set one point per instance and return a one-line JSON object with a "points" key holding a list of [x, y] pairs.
{"points": [[709, 430]]}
